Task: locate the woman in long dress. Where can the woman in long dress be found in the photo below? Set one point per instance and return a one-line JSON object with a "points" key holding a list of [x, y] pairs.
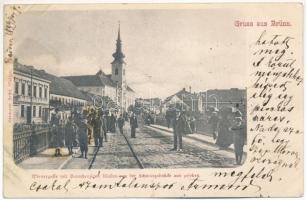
{"points": [[225, 136]]}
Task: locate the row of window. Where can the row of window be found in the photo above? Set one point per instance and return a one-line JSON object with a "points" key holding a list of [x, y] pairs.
{"points": [[66, 101], [35, 92], [34, 114]]}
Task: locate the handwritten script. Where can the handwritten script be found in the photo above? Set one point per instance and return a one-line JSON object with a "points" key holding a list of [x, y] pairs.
{"points": [[276, 77]]}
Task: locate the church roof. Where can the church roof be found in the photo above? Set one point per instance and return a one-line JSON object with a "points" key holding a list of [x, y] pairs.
{"points": [[98, 80], [85, 80]]}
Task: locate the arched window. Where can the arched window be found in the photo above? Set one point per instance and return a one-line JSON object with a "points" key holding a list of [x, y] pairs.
{"points": [[116, 71]]}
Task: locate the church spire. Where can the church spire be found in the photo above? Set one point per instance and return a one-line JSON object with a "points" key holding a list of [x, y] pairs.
{"points": [[118, 38], [118, 55]]}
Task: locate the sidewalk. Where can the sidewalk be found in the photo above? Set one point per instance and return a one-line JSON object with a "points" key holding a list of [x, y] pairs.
{"points": [[195, 136], [46, 160]]}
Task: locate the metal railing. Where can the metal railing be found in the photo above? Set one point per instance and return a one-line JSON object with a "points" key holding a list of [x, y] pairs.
{"points": [[29, 140]]}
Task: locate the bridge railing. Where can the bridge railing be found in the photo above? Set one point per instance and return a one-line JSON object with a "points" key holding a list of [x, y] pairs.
{"points": [[29, 140]]}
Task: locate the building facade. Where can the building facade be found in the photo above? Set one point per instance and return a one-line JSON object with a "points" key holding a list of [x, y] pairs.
{"points": [[31, 95], [50, 94], [185, 100]]}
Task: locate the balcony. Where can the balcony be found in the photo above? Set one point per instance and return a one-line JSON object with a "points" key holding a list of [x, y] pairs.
{"points": [[27, 99]]}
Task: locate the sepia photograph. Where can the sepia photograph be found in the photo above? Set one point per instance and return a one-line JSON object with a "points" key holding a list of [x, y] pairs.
{"points": [[153, 100], [116, 89]]}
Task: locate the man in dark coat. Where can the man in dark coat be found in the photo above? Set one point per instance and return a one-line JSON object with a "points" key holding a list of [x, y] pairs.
{"points": [[83, 138], [97, 131], [70, 133], [104, 127], [134, 125], [55, 119], [239, 130], [120, 123], [214, 124], [181, 128], [112, 123]]}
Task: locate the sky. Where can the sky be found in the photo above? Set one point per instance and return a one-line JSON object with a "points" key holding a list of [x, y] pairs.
{"points": [[166, 50]]}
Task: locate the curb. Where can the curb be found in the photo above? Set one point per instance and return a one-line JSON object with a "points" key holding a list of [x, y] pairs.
{"points": [[230, 149]]}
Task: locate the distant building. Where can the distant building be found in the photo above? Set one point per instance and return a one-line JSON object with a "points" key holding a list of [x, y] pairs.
{"points": [[184, 100], [64, 96], [210, 99], [112, 85], [219, 98], [31, 95], [152, 104]]}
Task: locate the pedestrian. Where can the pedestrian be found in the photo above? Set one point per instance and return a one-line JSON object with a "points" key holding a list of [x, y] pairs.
{"points": [[83, 137], [104, 126], [225, 137], [112, 123], [134, 125], [55, 122], [90, 120], [168, 118], [193, 124], [239, 133], [97, 131], [181, 128], [214, 120], [70, 134], [120, 123]]}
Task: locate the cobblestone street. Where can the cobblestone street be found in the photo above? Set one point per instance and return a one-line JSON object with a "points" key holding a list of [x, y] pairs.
{"points": [[152, 147]]}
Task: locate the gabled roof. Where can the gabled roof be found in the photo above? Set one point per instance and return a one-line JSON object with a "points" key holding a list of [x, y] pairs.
{"points": [[129, 89], [182, 95], [85, 80], [58, 86], [99, 79]]}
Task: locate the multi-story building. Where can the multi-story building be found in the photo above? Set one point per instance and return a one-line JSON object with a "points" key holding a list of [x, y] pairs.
{"points": [[31, 95], [50, 94], [219, 98]]}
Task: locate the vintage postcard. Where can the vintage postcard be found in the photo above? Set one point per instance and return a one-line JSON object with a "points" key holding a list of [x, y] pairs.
{"points": [[153, 100]]}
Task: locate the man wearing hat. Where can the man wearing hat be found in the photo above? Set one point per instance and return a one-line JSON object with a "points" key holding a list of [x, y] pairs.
{"points": [[83, 137], [239, 130], [134, 125], [180, 128]]}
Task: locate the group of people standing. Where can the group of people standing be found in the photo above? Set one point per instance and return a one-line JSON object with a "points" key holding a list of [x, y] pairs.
{"points": [[81, 127], [229, 128]]}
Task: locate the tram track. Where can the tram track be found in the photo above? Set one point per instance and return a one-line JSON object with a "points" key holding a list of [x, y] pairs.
{"points": [[94, 157], [140, 165], [138, 161]]}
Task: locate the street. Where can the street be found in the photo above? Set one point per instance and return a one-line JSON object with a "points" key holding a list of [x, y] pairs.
{"points": [[150, 149]]}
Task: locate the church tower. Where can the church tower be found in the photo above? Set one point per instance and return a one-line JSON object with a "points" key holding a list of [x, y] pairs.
{"points": [[118, 65], [118, 72]]}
